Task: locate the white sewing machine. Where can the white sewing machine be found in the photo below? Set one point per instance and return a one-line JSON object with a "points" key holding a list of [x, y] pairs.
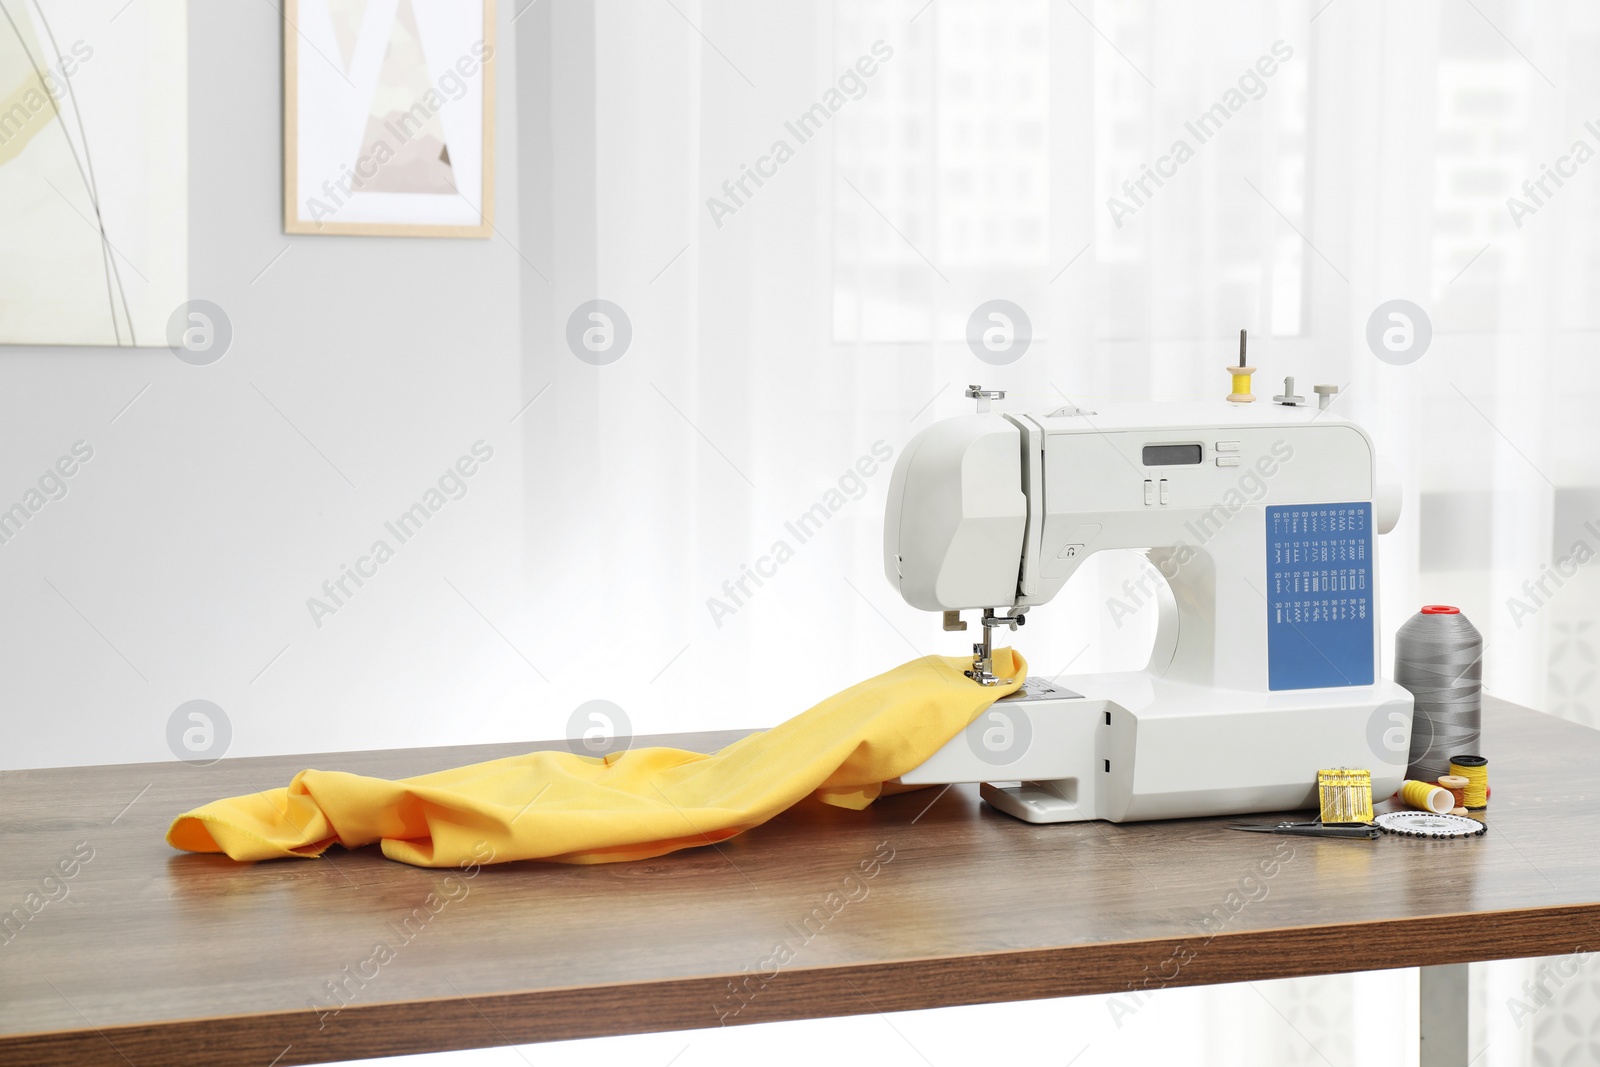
{"points": [[1265, 669]]}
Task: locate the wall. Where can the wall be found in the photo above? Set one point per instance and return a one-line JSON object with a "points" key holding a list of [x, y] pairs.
{"points": [[179, 565]]}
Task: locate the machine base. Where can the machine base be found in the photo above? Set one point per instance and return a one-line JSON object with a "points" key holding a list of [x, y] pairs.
{"points": [[1035, 802], [1135, 746]]}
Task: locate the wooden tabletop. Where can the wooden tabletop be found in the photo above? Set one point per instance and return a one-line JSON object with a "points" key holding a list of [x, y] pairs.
{"points": [[149, 956]]}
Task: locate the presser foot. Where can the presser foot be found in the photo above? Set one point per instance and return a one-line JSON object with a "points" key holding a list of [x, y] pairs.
{"points": [[982, 670]]}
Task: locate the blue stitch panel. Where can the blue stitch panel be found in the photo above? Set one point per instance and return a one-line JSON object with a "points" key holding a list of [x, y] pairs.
{"points": [[1320, 602]]}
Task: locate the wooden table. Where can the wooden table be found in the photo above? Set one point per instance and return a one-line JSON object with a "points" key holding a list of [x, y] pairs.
{"points": [[150, 956]]}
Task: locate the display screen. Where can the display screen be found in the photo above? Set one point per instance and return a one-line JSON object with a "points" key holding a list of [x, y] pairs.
{"points": [[1170, 455]]}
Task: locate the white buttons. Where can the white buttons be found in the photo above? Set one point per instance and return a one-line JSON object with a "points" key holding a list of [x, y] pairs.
{"points": [[1165, 496], [1149, 492], [1227, 446], [1227, 461]]}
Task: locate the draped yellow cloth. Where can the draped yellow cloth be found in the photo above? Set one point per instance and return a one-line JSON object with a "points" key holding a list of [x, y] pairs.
{"points": [[643, 802]]}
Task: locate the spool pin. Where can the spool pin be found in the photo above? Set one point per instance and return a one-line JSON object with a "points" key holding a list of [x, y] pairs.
{"points": [[1241, 377]]}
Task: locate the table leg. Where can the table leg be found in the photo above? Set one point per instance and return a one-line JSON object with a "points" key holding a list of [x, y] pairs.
{"points": [[1443, 1002]]}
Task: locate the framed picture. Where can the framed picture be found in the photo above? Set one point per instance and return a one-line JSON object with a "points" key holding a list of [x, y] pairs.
{"points": [[389, 117], [94, 171]]}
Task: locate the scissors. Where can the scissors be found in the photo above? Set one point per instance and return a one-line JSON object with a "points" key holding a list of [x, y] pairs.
{"points": [[1311, 829]]}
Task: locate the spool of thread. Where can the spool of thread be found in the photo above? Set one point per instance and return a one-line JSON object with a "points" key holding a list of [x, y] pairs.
{"points": [[1438, 656], [1457, 786], [1475, 769], [1427, 797], [1241, 375]]}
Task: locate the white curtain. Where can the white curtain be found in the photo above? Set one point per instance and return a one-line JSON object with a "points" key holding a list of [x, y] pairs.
{"points": [[774, 343], [1340, 156]]}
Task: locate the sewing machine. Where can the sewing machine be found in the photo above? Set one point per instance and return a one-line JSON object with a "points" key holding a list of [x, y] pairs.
{"points": [[1262, 518]]}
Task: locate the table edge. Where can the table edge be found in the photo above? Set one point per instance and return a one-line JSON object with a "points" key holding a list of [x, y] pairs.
{"points": [[1134, 968]]}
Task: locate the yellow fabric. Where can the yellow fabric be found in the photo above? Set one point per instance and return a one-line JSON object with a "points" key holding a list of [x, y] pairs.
{"points": [[632, 805]]}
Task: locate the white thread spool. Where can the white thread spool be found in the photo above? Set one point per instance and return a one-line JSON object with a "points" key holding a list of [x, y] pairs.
{"points": [[1438, 655]]}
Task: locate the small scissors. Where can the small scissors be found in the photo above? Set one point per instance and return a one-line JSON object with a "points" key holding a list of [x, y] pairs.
{"points": [[1311, 829]]}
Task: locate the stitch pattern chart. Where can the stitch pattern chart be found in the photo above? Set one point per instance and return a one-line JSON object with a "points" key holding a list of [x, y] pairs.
{"points": [[1319, 596]]}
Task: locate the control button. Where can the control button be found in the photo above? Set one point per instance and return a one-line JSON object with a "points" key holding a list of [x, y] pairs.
{"points": [[1227, 461], [1149, 492], [1164, 492], [1070, 552], [1227, 446]]}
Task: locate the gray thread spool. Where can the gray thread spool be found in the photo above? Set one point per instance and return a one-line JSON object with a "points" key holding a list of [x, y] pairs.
{"points": [[1439, 657]]}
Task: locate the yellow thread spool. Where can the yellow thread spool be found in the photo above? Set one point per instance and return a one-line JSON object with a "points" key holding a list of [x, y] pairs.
{"points": [[1427, 796], [1241, 385], [1241, 375], [1475, 769]]}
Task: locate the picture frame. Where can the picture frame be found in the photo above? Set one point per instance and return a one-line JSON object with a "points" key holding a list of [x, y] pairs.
{"points": [[388, 117], [94, 173]]}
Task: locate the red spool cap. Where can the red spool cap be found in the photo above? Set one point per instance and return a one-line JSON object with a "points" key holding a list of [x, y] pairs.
{"points": [[1440, 609]]}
